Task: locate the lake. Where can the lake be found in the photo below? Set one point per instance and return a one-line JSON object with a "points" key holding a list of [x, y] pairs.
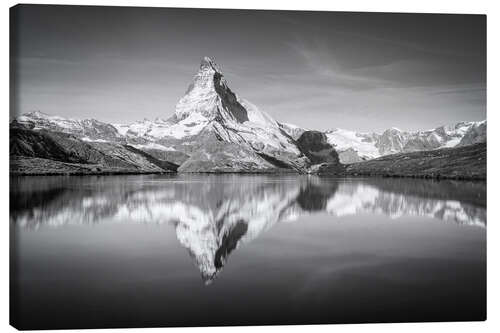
{"points": [[188, 250]]}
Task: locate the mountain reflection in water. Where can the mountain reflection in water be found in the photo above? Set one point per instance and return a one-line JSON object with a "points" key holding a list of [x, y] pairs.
{"points": [[213, 215]]}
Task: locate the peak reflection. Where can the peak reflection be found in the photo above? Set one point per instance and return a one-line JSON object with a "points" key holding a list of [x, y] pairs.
{"points": [[214, 215]]}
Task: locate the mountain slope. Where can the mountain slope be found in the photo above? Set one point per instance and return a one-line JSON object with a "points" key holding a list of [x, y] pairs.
{"points": [[467, 162], [222, 156], [41, 146]]}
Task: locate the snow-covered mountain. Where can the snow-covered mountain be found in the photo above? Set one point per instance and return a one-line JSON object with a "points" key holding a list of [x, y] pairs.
{"points": [[210, 112], [215, 130], [212, 129], [355, 147], [475, 134], [86, 129]]}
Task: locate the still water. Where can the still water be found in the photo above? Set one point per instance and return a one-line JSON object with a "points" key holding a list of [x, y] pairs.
{"points": [[132, 251]]}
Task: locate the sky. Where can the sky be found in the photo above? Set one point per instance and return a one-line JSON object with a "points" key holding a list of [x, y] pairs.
{"points": [[319, 70]]}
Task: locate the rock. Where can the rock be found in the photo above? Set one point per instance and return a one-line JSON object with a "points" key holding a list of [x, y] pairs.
{"points": [[324, 159], [315, 146]]}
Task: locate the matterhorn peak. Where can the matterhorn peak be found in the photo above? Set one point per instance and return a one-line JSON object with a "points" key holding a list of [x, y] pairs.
{"points": [[208, 97], [208, 63]]}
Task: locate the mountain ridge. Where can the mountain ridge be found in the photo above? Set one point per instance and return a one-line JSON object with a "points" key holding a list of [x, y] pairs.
{"points": [[360, 145], [215, 130]]}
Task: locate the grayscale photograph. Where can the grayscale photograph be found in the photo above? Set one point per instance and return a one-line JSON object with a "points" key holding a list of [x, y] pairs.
{"points": [[220, 167]]}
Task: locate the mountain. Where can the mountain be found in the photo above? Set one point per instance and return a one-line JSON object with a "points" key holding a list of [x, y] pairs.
{"points": [[87, 129], [475, 134], [355, 147], [211, 112], [211, 130]]}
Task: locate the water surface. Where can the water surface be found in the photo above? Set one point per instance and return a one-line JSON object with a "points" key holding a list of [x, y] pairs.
{"points": [[134, 251]]}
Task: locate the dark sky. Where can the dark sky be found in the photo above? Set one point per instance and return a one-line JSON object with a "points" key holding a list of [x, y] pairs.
{"points": [[360, 71]]}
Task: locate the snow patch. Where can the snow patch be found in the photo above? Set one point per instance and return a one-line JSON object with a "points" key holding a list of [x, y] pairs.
{"points": [[93, 140]]}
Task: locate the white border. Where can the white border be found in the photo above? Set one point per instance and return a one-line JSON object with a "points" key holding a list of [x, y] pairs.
{"points": [[422, 6]]}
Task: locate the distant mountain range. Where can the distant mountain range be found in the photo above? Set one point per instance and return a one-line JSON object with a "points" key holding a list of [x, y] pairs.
{"points": [[212, 130], [356, 146]]}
